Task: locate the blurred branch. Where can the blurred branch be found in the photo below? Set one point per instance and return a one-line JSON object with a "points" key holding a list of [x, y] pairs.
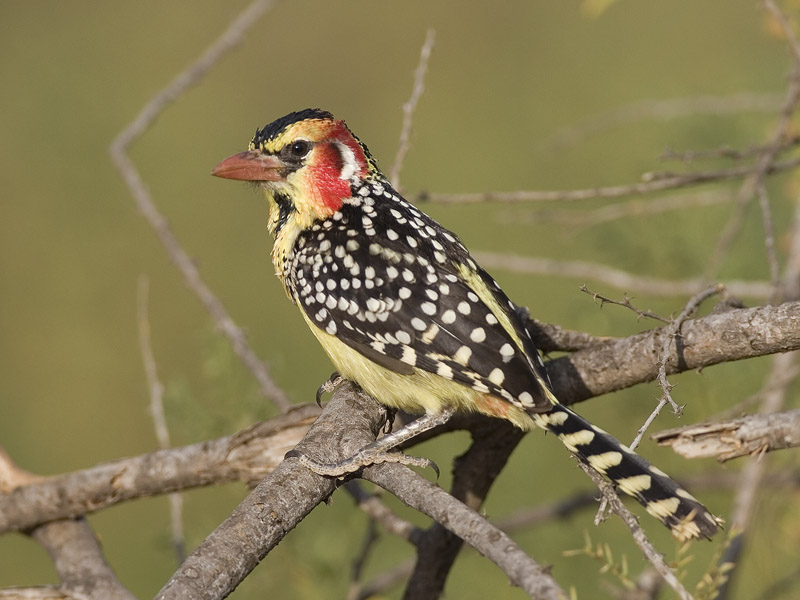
{"points": [[381, 514], [752, 435], [766, 161], [474, 473], [784, 366], [157, 413], [247, 456], [664, 110], [728, 152], [82, 569], [651, 183], [468, 525], [769, 242], [622, 280], [409, 107], [607, 213], [144, 201]]}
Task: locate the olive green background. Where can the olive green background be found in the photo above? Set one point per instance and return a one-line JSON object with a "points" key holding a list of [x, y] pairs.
{"points": [[504, 79]]}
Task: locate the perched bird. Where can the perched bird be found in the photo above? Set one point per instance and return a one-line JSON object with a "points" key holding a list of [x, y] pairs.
{"points": [[403, 310]]}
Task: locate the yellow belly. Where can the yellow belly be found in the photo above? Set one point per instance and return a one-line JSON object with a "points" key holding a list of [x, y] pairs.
{"points": [[419, 392]]}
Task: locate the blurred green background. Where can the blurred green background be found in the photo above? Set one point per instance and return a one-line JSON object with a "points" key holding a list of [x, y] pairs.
{"points": [[504, 79]]}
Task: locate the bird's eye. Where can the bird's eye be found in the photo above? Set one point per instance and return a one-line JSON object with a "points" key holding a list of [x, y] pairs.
{"points": [[299, 148]]}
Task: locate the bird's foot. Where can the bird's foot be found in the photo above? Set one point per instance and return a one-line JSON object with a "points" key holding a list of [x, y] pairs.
{"points": [[380, 451], [363, 458]]}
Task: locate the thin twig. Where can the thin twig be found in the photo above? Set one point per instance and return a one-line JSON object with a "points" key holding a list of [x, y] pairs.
{"points": [[623, 280], [786, 27], [769, 241], [158, 414], [727, 152], [119, 154], [671, 333], [648, 186], [632, 208], [625, 303], [410, 106], [639, 537], [766, 162]]}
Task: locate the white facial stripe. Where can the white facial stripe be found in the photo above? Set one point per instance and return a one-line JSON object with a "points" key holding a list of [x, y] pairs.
{"points": [[350, 165]]}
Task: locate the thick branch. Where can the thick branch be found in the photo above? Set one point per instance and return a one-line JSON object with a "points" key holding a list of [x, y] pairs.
{"points": [[246, 456], [467, 524], [474, 473], [79, 561], [754, 434], [724, 337], [277, 504]]}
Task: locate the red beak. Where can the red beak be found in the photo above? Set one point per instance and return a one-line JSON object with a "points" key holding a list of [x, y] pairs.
{"points": [[250, 166]]}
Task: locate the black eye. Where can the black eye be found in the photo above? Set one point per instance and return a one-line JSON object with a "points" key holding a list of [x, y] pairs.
{"points": [[299, 148]]}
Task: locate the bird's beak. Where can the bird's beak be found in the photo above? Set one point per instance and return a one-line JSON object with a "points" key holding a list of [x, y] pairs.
{"points": [[252, 165]]}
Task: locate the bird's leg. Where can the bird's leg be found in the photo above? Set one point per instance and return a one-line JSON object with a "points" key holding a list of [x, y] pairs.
{"points": [[380, 451], [328, 386]]}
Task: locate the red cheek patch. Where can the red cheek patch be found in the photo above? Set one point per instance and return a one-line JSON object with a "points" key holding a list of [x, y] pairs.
{"points": [[330, 189]]}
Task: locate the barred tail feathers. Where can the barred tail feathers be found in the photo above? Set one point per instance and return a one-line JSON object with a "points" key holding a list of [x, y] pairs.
{"points": [[661, 496]]}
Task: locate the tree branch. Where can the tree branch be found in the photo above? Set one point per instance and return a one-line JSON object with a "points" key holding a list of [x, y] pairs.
{"points": [[467, 524], [277, 504], [722, 337], [144, 201], [247, 456], [748, 436]]}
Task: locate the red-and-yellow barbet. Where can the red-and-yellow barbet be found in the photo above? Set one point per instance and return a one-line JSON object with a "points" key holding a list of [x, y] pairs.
{"points": [[403, 310]]}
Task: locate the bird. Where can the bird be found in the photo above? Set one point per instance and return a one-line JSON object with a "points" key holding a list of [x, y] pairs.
{"points": [[404, 311]]}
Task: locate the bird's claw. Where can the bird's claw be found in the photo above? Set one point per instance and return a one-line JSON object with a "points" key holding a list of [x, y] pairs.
{"points": [[328, 386]]}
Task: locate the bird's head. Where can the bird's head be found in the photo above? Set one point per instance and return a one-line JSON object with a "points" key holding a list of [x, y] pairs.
{"points": [[305, 163]]}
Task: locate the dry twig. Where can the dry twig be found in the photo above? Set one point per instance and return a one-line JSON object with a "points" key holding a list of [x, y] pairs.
{"points": [[752, 435], [411, 105], [158, 415], [655, 557], [651, 183], [622, 280], [119, 153]]}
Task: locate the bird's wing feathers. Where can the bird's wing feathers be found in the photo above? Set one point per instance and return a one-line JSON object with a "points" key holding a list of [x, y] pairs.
{"points": [[404, 311]]}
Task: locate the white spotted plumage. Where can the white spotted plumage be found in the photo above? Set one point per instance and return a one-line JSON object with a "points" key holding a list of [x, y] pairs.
{"points": [[401, 307]]}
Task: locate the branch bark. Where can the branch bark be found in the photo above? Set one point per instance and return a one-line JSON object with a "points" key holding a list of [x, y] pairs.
{"points": [[732, 438], [468, 525], [277, 504], [246, 456], [723, 337]]}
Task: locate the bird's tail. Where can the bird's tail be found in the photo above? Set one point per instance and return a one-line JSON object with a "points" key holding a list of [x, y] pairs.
{"points": [[661, 496]]}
